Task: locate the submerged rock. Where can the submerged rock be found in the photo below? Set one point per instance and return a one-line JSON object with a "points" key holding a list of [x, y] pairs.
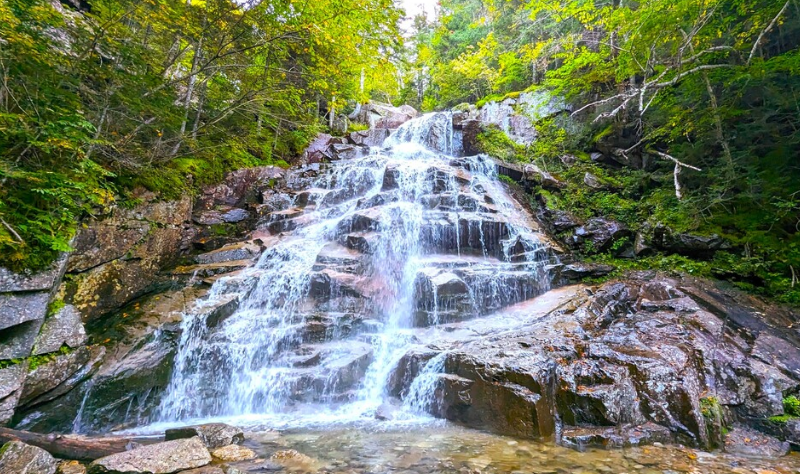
{"points": [[233, 453], [162, 458]]}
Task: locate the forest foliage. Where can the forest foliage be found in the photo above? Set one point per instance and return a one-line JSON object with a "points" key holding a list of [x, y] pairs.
{"points": [[697, 101], [98, 97]]}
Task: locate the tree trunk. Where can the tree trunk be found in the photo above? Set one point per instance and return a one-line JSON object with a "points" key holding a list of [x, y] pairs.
{"points": [[189, 92], [69, 446]]}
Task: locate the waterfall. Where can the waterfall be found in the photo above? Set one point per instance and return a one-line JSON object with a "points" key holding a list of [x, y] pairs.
{"points": [[411, 236]]}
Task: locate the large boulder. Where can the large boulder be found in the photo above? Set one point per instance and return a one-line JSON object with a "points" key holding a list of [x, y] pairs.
{"points": [[17, 457], [116, 258], [384, 116], [597, 235], [686, 243], [162, 458], [632, 353]]}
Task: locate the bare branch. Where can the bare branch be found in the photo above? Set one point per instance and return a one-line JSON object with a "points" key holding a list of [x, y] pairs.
{"points": [[766, 30], [11, 229]]}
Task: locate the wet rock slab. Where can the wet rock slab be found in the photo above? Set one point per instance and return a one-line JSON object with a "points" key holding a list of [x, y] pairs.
{"points": [[630, 354]]}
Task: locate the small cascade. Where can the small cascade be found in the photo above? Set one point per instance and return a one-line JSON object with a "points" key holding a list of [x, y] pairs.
{"points": [[422, 396], [406, 239]]}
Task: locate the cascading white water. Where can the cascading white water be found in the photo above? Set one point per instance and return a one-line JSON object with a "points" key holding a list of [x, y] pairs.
{"points": [[408, 236]]}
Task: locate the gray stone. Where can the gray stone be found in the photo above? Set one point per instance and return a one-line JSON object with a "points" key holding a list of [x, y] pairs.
{"points": [[581, 438], [11, 379], [593, 181], [213, 435], [17, 308], [235, 215], [578, 271], [21, 317], [238, 251], [599, 234], [58, 376], [748, 442], [641, 247], [162, 458], [29, 281], [59, 329], [545, 179], [17, 457]]}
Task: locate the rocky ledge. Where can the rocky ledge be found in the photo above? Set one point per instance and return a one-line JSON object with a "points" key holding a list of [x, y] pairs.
{"points": [[650, 358]]}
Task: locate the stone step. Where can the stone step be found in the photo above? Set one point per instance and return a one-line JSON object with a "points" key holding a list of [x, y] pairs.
{"points": [[340, 258], [230, 252], [364, 242], [310, 196], [445, 295]]}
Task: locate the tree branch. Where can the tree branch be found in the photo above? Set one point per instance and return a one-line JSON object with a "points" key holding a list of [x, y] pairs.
{"points": [[765, 31]]}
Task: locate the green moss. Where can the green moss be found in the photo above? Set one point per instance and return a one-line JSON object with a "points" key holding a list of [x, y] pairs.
{"points": [[4, 364], [791, 406], [506, 179], [357, 127], [223, 230], [495, 143], [710, 407], [55, 306], [37, 360], [781, 419]]}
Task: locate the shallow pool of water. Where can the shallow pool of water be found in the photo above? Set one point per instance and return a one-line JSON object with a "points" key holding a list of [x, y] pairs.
{"points": [[439, 447]]}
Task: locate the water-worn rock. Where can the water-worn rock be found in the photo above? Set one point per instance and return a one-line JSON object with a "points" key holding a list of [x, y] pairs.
{"points": [[64, 328], [213, 435], [59, 375], [612, 437], [162, 458], [17, 457], [647, 349], [233, 453], [748, 442], [318, 149], [372, 138], [237, 251]]}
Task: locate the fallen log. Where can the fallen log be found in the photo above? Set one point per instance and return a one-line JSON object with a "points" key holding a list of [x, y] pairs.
{"points": [[81, 448]]}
